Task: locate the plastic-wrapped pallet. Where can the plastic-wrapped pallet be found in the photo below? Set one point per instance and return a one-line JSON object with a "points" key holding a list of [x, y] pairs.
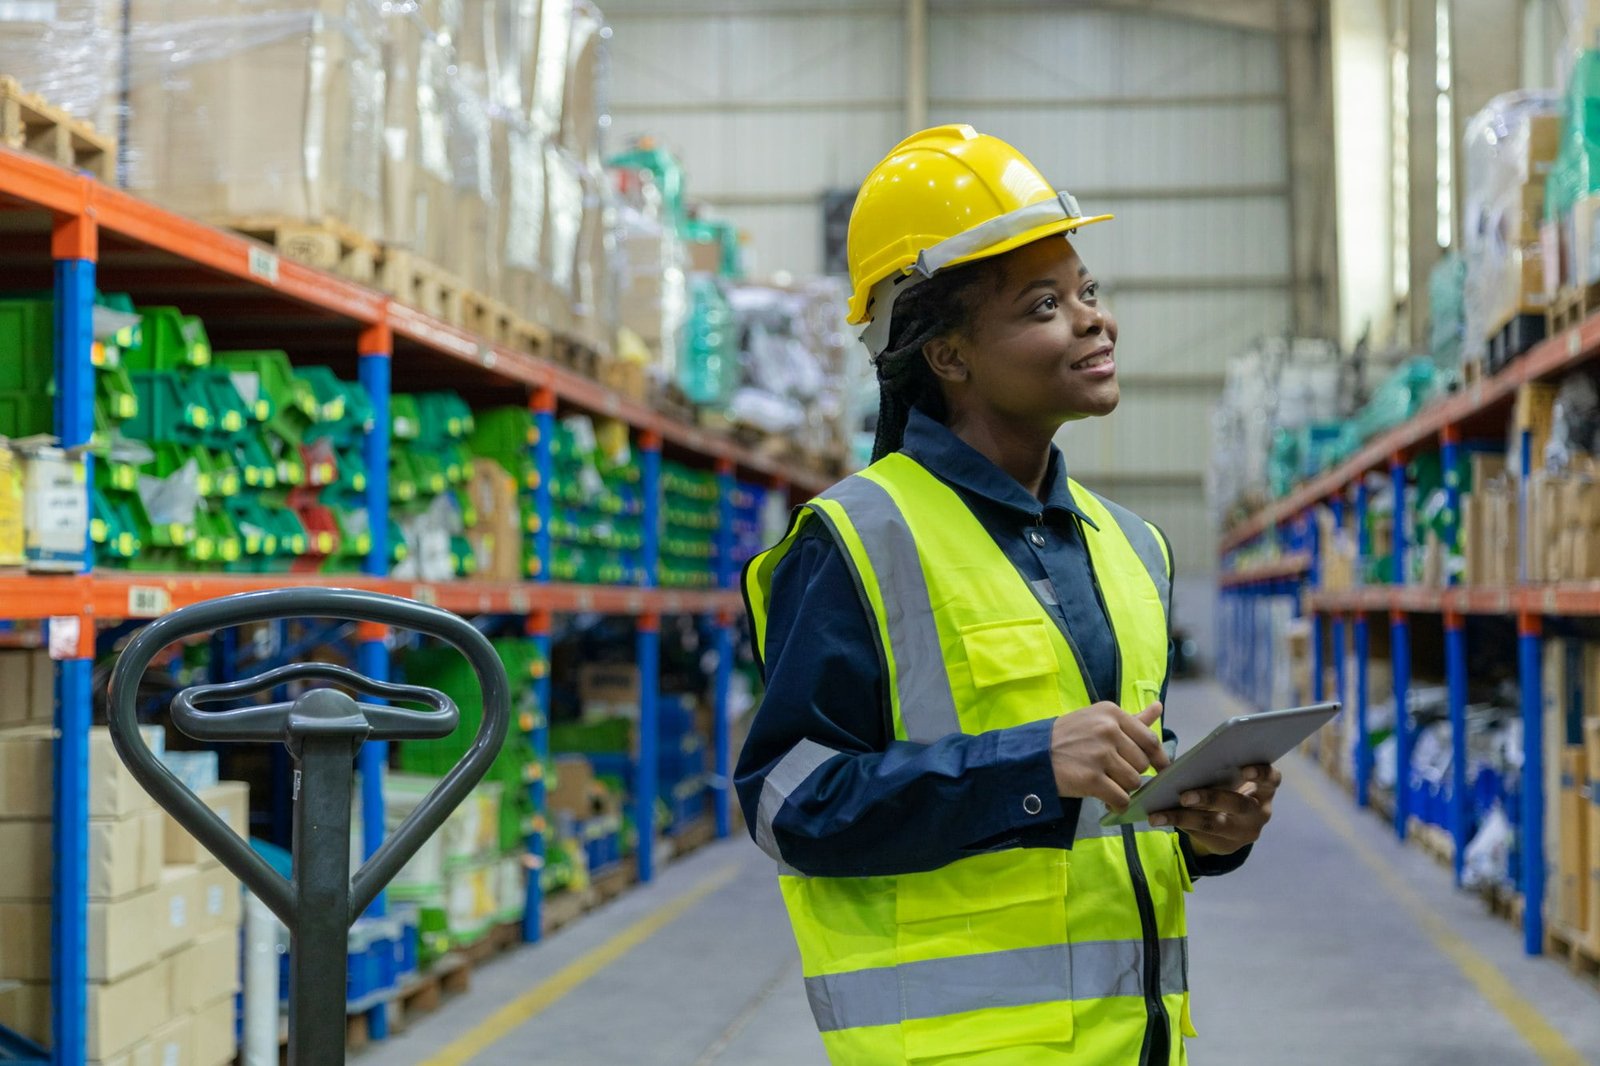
{"points": [[258, 107], [417, 172], [1510, 147], [58, 50], [650, 263]]}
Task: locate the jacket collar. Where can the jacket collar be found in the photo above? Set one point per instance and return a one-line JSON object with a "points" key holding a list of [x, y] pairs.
{"points": [[962, 466]]}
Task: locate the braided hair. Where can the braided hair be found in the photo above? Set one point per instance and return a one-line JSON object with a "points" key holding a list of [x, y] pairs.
{"points": [[935, 308]]}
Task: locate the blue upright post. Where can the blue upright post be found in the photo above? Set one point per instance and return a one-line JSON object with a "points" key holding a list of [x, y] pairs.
{"points": [[1455, 669], [539, 624], [1341, 686], [1319, 685], [649, 640], [1363, 745], [727, 576], [1400, 652], [538, 734], [1397, 479], [1450, 460], [1530, 656], [75, 247], [1525, 465], [372, 652]]}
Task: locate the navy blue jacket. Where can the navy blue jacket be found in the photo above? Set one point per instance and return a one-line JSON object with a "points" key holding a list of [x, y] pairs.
{"points": [[899, 806]]}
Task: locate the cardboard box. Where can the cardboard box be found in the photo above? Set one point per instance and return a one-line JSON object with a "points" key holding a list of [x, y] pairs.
{"points": [[125, 1013], [288, 124], [221, 906], [25, 1008], [124, 857], [169, 1045], [1591, 749], [1572, 909], [497, 538], [27, 688], [705, 257], [214, 1042], [573, 791], [24, 942], [231, 801], [55, 510], [206, 969], [609, 689]]}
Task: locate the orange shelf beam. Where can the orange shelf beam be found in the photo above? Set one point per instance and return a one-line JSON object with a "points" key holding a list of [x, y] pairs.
{"points": [[1292, 565], [1555, 355], [31, 180]]}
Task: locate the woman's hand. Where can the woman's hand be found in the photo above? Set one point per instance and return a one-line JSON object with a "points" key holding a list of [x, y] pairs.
{"points": [[1220, 821], [1102, 750]]}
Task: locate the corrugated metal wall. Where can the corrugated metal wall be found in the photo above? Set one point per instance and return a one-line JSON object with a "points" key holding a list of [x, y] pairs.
{"points": [[1175, 125]]}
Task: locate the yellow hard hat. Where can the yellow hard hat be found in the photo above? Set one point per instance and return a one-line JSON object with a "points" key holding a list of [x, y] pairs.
{"points": [[943, 197]]}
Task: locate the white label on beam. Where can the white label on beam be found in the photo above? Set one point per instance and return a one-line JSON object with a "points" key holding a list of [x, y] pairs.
{"points": [[148, 601], [264, 265]]}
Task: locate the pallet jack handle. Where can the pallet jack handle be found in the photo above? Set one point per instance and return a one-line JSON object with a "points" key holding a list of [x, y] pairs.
{"points": [[323, 729]]}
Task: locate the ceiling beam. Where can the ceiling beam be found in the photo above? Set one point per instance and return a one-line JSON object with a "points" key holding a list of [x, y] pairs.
{"points": [[1261, 16]]}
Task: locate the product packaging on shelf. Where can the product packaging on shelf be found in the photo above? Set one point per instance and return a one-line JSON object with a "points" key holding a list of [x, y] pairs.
{"points": [[1510, 147], [258, 108]]}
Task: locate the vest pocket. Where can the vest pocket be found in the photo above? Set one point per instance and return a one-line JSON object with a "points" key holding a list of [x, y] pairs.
{"points": [[1009, 650], [982, 956]]}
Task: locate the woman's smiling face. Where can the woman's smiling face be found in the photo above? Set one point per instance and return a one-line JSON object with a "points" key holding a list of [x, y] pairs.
{"points": [[1039, 347]]}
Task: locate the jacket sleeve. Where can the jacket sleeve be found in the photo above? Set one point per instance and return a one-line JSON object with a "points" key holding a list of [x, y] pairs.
{"points": [[825, 788]]}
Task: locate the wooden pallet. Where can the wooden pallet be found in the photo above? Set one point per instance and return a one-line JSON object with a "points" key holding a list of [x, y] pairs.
{"points": [[563, 908], [430, 289], [695, 835], [1573, 947], [32, 125], [575, 355], [1433, 839], [1571, 306], [326, 245], [616, 880], [624, 376]]}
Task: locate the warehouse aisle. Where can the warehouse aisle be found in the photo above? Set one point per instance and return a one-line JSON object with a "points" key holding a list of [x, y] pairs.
{"points": [[1333, 946]]}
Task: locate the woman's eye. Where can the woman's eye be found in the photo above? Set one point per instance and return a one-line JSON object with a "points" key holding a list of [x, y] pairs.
{"points": [[1049, 303], [1091, 292]]}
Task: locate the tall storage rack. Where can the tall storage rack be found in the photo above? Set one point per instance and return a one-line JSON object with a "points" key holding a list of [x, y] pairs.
{"points": [[64, 231], [1341, 621]]}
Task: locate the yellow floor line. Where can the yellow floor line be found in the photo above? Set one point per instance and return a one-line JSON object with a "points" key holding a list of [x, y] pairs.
{"points": [[502, 1022], [1524, 1016]]}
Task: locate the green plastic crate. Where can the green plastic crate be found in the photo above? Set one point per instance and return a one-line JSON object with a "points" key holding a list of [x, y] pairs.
{"points": [[405, 421], [27, 337], [24, 414], [171, 408], [168, 340]]}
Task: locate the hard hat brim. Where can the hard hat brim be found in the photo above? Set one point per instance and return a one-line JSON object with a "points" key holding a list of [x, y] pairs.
{"points": [[861, 303]]}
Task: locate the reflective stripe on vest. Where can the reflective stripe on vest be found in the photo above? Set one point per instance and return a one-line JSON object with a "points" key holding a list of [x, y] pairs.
{"points": [[926, 706], [893, 994]]}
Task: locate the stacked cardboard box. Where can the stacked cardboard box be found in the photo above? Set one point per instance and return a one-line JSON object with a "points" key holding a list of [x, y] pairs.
{"points": [[164, 917]]}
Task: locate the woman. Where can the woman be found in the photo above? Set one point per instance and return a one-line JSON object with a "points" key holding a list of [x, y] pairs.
{"points": [[966, 656]]}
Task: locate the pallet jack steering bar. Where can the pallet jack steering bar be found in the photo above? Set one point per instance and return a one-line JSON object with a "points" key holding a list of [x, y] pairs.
{"points": [[323, 729]]}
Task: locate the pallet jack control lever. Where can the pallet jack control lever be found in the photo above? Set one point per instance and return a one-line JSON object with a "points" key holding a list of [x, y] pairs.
{"points": [[323, 729]]}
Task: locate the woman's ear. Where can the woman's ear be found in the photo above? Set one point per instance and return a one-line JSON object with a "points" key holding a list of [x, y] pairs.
{"points": [[944, 359]]}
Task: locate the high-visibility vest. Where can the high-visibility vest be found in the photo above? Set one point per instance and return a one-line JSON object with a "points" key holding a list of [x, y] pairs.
{"points": [[1034, 956]]}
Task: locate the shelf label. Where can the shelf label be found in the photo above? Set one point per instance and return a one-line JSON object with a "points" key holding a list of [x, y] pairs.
{"points": [[264, 265], [64, 633], [425, 594], [520, 602], [148, 601], [1574, 343], [486, 355]]}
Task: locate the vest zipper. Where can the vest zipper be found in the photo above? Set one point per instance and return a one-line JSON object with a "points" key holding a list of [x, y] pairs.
{"points": [[1155, 1008]]}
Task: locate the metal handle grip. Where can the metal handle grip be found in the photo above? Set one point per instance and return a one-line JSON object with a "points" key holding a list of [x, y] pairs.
{"points": [[269, 722], [207, 827]]}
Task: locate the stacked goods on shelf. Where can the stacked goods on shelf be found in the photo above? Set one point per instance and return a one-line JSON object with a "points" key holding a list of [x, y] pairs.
{"points": [[1572, 770], [1288, 390], [1447, 312], [474, 878], [749, 530], [798, 375], [690, 515], [1510, 149], [430, 468], [597, 507], [652, 264], [164, 917], [585, 825], [1572, 196], [505, 478]]}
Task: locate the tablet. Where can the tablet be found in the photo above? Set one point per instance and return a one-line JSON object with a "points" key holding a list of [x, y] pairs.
{"points": [[1243, 740]]}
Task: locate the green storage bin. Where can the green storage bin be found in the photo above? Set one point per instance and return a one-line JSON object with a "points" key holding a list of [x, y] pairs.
{"points": [[168, 340], [113, 388], [25, 414], [257, 468], [27, 337], [170, 408], [112, 529], [231, 415], [404, 419], [403, 485]]}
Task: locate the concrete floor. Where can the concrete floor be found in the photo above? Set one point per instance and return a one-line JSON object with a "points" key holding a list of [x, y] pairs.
{"points": [[1333, 945]]}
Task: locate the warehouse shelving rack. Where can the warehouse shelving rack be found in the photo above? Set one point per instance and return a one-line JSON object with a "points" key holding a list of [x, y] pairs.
{"points": [[1287, 534], [66, 232]]}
